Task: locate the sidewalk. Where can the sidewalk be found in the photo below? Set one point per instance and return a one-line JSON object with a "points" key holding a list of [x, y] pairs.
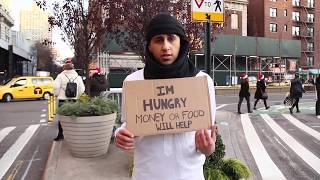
{"points": [[61, 165]]}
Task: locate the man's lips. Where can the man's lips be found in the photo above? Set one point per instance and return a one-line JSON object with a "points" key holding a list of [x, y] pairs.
{"points": [[166, 56]]}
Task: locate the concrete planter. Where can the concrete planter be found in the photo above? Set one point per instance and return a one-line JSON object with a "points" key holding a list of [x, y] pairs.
{"points": [[88, 136]]}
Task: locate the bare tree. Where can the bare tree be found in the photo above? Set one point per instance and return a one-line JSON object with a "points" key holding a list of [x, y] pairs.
{"points": [[130, 32], [83, 24], [44, 56]]}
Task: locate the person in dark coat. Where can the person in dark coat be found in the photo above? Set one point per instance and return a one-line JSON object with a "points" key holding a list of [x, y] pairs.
{"points": [[98, 82], [261, 92], [244, 93], [318, 95], [296, 91]]}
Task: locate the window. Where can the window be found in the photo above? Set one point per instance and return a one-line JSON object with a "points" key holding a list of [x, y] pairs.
{"points": [[6, 34], [273, 27], [47, 81], [310, 46], [295, 30], [310, 3], [310, 18], [34, 81], [296, 2], [285, 12], [285, 28], [310, 31], [234, 21], [295, 16], [310, 60], [273, 12], [20, 82]]}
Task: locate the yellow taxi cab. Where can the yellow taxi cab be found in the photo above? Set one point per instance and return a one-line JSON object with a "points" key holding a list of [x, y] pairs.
{"points": [[26, 87]]}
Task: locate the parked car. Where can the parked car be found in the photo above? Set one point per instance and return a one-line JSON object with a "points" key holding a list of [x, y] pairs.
{"points": [[26, 87], [284, 83]]}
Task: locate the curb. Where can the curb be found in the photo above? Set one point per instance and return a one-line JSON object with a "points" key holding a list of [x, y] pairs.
{"points": [[52, 162]]}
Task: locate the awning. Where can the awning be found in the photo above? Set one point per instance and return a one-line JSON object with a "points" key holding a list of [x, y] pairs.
{"points": [[314, 71], [303, 72]]}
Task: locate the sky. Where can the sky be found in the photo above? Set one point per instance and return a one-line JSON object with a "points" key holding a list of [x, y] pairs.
{"points": [[62, 47]]}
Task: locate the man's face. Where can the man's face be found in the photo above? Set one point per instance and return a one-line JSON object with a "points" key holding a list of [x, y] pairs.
{"points": [[165, 48]]}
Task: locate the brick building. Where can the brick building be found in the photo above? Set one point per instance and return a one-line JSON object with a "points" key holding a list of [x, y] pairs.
{"points": [[288, 19]]}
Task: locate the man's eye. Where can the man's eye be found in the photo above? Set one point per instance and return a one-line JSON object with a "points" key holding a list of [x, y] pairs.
{"points": [[157, 40], [171, 38]]}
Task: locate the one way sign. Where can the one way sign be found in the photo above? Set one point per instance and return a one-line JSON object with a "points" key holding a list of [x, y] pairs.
{"points": [[202, 8]]}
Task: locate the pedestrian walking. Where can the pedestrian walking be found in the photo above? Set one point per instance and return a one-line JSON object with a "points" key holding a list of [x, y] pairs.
{"points": [[261, 92], [296, 91], [317, 83], [98, 82], [62, 89], [168, 156], [244, 93]]}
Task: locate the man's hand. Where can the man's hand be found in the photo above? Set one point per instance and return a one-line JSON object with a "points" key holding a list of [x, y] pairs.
{"points": [[124, 139], [205, 142]]}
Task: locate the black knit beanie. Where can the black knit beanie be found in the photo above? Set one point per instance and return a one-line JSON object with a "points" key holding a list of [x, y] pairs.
{"points": [[164, 23], [182, 66]]}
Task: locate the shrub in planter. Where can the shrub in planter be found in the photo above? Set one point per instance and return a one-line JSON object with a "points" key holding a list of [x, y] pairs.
{"points": [[87, 125], [217, 168], [85, 106]]}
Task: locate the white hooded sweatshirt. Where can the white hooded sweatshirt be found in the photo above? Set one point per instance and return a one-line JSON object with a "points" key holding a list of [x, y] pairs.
{"points": [[60, 84]]}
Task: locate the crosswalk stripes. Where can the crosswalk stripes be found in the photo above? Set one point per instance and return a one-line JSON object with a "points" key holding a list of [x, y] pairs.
{"points": [[257, 148], [221, 106], [312, 160], [12, 153], [4, 132], [303, 127], [266, 166]]}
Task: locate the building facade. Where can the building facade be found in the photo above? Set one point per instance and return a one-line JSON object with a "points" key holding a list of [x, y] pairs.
{"points": [[15, 51], [289, 19], [235, 17], [5, 5], [34, 24]]}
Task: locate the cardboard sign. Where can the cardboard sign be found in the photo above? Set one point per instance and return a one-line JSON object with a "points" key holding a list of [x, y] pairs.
{"points": [[167, 105]]}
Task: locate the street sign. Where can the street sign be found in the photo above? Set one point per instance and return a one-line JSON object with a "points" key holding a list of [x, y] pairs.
{"points": [[201, 8]]}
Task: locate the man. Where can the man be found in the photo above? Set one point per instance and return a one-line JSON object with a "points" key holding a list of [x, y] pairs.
{"points": [[296, 90], [169, 156], [244, 93], [60, 83]]}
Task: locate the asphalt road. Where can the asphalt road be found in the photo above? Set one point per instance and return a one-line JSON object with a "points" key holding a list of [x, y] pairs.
{"points": [[25, 139], [273, 143]]}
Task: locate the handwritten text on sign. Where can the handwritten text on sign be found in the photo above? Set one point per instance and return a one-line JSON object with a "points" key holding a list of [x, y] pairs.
{"points": [[167, 106]]}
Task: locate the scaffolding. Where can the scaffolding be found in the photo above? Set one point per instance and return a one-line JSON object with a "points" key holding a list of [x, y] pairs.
{"points": [[234, 55]]}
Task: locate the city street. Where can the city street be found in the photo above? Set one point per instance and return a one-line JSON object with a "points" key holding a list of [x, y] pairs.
{"points": [[273, 143], [88, 51], [25, 139]]}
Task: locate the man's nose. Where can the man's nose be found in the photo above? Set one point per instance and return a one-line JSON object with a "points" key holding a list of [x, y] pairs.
{"points": [[166, 45]]}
